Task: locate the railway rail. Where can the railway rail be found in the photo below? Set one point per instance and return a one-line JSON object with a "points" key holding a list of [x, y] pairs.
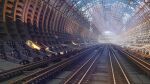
{"points": [[81, 72], [120, 76], [117, 75], [22, 71], [145, 66], [135, 72], [19, 70], [50, 70], [106, 64]]}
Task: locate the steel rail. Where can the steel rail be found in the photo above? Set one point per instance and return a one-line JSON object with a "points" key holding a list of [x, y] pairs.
{"points": [[139, 62], [90, 63], [121, 68], [5, 75], [77, 72], [85, 74], [112, 69], [35, 77]]}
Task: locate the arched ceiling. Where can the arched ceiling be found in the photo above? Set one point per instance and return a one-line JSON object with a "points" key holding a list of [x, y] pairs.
{"points": [[107, 15], [80, 4]]}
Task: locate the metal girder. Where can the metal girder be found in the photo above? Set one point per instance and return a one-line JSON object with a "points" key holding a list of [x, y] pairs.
{"points": [[83, 3]]}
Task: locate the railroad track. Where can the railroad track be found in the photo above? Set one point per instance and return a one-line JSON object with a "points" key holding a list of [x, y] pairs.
{"points": [[5, 75], [145, 66], [20, 70], [109, 71], [78, 76], [105, 66], [42, 74], [67, 72], [135, 73], [100, 72], [120, 76]]}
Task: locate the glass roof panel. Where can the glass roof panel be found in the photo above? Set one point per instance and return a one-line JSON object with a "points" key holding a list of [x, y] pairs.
{"points": [[107, 14]]}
